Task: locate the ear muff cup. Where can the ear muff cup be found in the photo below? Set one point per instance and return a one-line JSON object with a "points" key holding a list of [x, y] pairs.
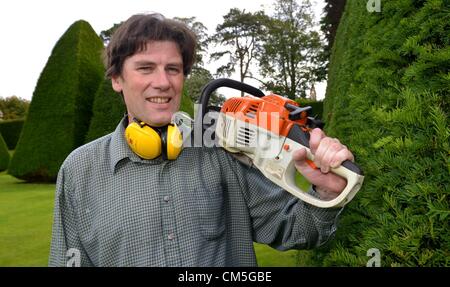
{"points": [[149, 143], [143, 140], [174, 142]]}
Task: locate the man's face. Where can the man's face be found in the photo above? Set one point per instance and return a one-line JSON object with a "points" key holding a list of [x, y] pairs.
{"points": [[152, 83]]}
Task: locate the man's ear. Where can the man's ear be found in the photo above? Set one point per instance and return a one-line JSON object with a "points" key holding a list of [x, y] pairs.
{"points": [[116, 82]]}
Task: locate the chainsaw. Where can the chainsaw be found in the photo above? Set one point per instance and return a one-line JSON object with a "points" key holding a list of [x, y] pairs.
{"points": [[263, 131]]}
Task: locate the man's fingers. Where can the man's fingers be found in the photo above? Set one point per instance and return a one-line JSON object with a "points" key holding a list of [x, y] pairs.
{"points": [[329, 154], [341, 156], [316, 135], [326, 150]]}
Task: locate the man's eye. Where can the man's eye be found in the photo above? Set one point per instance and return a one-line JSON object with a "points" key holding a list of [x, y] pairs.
{"points": [[174, 70], [145, 69]]}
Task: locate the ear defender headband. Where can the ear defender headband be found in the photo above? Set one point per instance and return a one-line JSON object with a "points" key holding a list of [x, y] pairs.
{"points": [[149, 143]]}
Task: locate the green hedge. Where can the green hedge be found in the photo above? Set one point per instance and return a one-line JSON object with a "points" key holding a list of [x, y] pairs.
{"points": [[4, 154], [60, 110], [388, 100], [10, 129], [108, 109]]}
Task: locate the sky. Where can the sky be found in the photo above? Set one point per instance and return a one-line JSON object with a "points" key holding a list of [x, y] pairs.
{"points": [[30, 28]]}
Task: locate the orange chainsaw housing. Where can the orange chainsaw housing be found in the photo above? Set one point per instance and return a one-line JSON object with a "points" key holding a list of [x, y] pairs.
{"points": [[268, 112]]}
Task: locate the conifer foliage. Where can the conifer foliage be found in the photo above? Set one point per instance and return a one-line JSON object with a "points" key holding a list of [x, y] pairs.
{"points": [[61, 107], [108, 109], [4, 154], [388, 100]]}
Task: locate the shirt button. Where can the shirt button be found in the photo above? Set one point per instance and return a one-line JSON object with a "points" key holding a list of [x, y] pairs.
{"points": [[166, 198], [171, 236]]}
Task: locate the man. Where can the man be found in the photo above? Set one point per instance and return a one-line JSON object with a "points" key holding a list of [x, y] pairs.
{"points": [[114, 208]]}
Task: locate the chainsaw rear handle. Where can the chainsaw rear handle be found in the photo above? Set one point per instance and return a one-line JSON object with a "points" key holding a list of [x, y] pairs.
{"points": [[282, 171], [298, 135], [348, 170]]}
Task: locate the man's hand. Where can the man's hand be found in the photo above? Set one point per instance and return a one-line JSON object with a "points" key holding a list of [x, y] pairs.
{"points": [[328, 153]]}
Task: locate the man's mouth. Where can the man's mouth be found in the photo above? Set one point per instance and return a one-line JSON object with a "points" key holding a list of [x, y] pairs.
{"points": [[158, 100]]}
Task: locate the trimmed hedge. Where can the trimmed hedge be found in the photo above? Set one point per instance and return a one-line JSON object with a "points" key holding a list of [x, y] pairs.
{"points": [[109, 108], [60, 110], [4, 154], [10, 129], [388, 100]]}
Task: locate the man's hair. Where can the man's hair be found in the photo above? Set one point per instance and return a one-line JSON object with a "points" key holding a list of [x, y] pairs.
{"points": [[133, 35]]}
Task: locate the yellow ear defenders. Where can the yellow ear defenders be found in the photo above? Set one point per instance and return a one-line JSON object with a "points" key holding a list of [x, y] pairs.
{"points": [[149, 143]]}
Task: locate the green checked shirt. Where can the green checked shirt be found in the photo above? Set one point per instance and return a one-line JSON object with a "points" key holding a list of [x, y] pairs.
{"points": [[203, 209]]}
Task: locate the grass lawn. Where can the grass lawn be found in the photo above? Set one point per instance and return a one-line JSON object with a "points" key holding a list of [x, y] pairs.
{"points": [[26, 214], [25, 222]]}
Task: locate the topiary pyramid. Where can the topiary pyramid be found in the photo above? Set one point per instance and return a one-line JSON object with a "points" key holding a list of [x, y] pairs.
{"points": [[61, 107]]}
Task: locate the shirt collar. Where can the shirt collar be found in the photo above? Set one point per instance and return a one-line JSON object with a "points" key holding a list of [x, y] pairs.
{"points": [[120, 150]]}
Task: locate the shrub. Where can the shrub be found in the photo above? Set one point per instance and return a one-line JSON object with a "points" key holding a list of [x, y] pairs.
{"points": [[4, 154], [10, 129], [388, 100], [60, 110], [108, 109]]}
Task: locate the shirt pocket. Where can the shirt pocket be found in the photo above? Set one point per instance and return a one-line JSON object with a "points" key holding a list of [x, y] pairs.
{"points": [[211, 214]]}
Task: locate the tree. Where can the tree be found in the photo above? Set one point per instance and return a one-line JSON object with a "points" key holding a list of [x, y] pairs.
{"points": [[199, 76], [107, 110], [388, 101], [292, 52], [13, 108], [194, 85], [105, 35], [333, 12], [240, 36], [201, 32], [61, 107]]}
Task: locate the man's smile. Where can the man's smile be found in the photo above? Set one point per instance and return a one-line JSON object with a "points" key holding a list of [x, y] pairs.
{"points": [[158, 100]]}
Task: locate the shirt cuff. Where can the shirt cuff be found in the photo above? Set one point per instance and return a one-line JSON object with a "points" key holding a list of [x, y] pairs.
{"points": [[324, 214]]}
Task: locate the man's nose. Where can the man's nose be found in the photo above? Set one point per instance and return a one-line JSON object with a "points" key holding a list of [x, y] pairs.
{"points": [[161, 80]]}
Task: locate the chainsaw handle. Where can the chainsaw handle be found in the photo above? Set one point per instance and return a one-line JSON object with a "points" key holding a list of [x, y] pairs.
{"points": [[209, 88], [282, 171], [354, 183], [302, 137]]}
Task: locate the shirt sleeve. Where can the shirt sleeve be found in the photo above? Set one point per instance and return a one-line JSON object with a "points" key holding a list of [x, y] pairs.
{"points": [[66, 248], [282, 220]]}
